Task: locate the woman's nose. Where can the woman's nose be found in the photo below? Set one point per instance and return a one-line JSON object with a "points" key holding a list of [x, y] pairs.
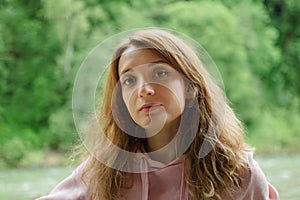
{"points": [[146, 90]]}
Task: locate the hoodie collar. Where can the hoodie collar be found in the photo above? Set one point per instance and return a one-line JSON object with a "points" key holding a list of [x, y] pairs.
{"points": [[147, 165]]}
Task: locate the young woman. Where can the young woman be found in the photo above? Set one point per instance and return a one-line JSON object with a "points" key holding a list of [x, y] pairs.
{"points": [[169, 132]]}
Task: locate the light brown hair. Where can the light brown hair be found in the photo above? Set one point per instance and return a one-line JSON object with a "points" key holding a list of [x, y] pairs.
{"points": [[208, 174]]}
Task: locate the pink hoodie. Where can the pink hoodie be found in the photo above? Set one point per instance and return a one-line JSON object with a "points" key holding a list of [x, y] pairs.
{"points": [[167, 182]]}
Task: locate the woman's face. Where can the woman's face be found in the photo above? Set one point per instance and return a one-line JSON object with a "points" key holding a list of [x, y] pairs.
{"points": [[153, 91]]}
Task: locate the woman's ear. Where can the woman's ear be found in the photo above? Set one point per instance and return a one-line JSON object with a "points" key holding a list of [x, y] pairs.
{"points": [[190, 93], [190, 96]]}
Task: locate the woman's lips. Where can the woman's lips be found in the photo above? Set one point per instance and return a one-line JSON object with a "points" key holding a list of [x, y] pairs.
{"points": [[149, 107]]}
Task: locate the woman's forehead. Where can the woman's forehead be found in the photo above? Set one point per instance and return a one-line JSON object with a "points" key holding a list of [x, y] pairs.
{"points": [[135, 56]]}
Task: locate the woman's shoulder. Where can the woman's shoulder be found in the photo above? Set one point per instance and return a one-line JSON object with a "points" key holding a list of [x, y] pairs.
{"points": [[254, 182], [71, 188]]}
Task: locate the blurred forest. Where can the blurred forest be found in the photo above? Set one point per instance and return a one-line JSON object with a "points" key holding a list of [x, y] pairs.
{"points": [[255, 44]]}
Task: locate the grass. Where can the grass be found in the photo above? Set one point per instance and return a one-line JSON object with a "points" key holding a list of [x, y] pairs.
{"points": [[283, 172], [26, 184]]}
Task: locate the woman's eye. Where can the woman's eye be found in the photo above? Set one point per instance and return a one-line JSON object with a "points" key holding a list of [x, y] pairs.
{"points": [[128, 80], [160, 73]]}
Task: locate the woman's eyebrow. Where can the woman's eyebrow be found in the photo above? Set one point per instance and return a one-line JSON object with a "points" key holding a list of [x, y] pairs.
{"points": [[150, 64], [157, 62], [125, 70]]}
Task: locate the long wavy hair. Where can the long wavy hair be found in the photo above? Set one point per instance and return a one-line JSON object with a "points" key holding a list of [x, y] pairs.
{"points": [[210, 172]]}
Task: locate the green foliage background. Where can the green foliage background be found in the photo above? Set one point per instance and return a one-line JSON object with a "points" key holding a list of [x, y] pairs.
{"points": [[255, 44]]}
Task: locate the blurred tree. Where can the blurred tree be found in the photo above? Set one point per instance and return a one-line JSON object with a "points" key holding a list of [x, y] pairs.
{"points": [[259, 38], [285, 16], [217, 29], [73, 24], [42, 44], [29, 88]]}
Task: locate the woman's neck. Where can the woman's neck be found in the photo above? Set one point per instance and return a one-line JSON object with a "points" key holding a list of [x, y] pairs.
{"points": [[156, 145]]}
